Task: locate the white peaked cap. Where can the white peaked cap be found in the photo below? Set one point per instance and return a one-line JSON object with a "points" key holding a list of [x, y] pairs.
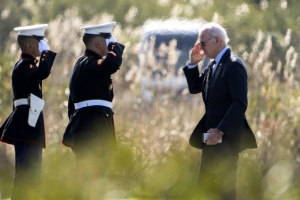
{"points": [[98, 29], [34, 30]]}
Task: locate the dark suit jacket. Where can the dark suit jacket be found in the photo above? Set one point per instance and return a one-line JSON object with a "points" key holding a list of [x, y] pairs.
{"points": [[226, 103], [90, 80], [27, 78]]}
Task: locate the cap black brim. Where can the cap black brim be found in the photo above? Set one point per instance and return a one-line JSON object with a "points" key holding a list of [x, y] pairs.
{"points": [[105, 35], [38, 37]]}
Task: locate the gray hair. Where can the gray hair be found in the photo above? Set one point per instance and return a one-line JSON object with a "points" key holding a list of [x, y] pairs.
{"points": [[215, 29]]}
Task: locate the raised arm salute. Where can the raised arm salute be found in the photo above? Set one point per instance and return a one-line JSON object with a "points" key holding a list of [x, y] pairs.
{"points": [[223, 85], [24, 128], [90, 132]]}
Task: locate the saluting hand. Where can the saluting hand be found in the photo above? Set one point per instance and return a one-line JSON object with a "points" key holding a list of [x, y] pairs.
{"points": [[43, 45], [196, 54], [111, 39]]}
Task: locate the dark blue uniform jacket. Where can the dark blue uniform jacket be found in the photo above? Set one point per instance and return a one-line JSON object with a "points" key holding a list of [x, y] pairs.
{"points": [[91, 79], [27, 78]]}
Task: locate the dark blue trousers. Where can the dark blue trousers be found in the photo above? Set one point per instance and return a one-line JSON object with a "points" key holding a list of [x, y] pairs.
{"points": [[218, 172], [28, 164], [92, 162]]}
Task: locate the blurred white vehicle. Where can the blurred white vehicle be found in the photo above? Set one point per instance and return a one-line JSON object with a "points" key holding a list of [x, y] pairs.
{"points": [[165, 50]]}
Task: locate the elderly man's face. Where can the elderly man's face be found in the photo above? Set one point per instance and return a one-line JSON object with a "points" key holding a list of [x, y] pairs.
{"points": [[208, 44]]}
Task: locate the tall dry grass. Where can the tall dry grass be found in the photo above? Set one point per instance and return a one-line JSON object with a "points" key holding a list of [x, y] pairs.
{"points": [[154, 159]]}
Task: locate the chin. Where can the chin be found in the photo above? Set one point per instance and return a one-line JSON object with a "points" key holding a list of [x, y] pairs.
{"points": [[209, 56]]}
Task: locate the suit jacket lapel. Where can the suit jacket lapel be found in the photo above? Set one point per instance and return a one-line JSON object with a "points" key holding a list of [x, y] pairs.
{"points": [[217, 72]]}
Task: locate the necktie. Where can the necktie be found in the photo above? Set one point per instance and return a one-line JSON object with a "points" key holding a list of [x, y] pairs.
{"points": [[209, 74]]}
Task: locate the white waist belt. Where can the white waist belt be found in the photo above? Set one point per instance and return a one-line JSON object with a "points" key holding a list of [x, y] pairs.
{"points": [[19, 102], [87, 103]]}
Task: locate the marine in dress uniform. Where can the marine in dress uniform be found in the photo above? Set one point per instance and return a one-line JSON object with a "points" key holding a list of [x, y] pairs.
{"points": [[28, 139], [90, 132]]}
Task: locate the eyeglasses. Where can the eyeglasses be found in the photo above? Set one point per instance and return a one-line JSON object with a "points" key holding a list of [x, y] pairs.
{"points": [[203, 42]]}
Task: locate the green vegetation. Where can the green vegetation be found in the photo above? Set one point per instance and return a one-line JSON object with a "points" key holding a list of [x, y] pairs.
{"points": [[154, 160]]}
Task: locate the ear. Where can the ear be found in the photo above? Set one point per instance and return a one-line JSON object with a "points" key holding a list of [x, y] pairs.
{"points": [[217, 39], [97, 43]]}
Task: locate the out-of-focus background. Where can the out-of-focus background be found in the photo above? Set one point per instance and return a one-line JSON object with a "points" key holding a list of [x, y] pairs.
{"points": [[154, 112]]}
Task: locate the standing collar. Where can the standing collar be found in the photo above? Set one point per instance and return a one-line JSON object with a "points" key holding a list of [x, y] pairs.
{"points": [[26, 56], [90, 53]]}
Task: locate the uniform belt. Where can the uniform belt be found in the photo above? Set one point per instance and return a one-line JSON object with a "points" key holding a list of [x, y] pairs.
{"points": [[87, 103], [19, 102]]}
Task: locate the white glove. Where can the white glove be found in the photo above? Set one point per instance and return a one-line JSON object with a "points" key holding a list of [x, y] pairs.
{"points": [[111, 39], [43, 45]]}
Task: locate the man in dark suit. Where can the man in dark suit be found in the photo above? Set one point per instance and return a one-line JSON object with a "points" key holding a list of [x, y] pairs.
{"points": [[28, 138], [224, 90], [90, 132]]}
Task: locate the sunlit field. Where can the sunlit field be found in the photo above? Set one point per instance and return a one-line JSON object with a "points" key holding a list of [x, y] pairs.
{"points": [[154, 159]]}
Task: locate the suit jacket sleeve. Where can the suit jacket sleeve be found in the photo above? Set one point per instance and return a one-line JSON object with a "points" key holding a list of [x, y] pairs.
{"points": [[237, 86], [194, 79]]}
